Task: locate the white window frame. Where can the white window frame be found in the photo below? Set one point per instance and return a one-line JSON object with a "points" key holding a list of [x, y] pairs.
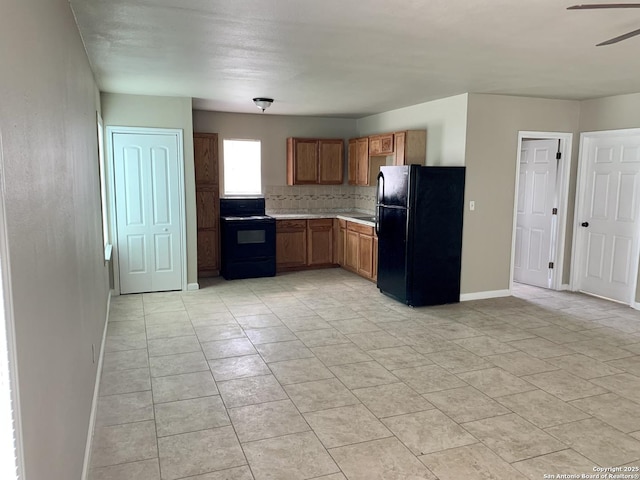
{"points": [[224, 186]]}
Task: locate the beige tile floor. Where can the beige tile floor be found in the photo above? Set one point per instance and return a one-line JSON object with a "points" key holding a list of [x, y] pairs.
{"points": [[316, 375]]}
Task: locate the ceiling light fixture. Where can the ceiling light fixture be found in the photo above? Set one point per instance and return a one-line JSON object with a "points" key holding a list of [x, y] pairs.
{"points": [[263, 103]]}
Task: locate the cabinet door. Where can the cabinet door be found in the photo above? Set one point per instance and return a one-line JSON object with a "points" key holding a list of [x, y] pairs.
{"points": [[375, 145], [363, 161], [208, 256], [400, 143], [365, 255], [207, 207], [353, 162], [302, 161], [205, 157], [330, 162], [375, 258], [351, 250], [291, 243], [320, 241], [381, 144], [338, 241]]}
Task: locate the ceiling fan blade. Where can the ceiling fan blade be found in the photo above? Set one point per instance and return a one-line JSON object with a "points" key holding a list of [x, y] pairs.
{"points": [[595, 6], [620, 38]]}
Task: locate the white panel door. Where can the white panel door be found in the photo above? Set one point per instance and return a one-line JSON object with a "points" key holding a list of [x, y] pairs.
{"points": [[148, 212], [608, 232], [536, 197]]}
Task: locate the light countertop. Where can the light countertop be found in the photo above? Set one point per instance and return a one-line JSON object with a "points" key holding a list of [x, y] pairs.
{"points": [[357, 217]]}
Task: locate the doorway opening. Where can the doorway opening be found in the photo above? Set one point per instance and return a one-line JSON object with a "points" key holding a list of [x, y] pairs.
{"points": [[543, 164]]}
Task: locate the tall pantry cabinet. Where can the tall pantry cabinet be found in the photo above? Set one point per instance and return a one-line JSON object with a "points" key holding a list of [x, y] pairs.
{"points": [[205, 149]]}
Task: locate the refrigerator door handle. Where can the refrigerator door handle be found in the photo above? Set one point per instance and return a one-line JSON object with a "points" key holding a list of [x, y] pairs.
{"points": [[379, 195], [380, 189]]}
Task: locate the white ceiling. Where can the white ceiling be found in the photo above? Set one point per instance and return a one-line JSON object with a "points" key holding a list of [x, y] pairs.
{"points": [[352, 58]]}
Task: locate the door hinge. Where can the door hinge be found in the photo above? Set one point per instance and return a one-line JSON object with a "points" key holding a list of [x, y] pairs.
{"points": [[558, 156], [554, 211], [550, 264]]}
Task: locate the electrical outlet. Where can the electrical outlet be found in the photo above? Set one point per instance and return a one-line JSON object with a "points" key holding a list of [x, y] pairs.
{"points": [[472, 205]]}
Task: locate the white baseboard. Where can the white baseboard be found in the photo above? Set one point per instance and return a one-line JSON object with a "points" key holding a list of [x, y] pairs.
{"points": [[565, 287], [465, 297], [193, 286], [94, 403], [635, 305]]}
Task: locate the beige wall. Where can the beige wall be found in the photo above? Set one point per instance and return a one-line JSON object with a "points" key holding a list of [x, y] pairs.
{"points": [[492, 138], [162, 112], [610, 113], [445, 121], [272, 131], [58, 278]]}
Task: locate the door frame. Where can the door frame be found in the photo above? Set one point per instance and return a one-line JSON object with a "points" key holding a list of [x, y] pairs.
{"points": [[562, 176], [113, 224], [8, 321], [576, 251]]}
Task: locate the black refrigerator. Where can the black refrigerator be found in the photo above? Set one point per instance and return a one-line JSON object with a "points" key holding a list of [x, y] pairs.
{"points": [[419, 226]]}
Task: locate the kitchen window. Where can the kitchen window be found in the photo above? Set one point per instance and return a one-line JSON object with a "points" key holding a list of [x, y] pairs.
{"points": [[242, 167]]}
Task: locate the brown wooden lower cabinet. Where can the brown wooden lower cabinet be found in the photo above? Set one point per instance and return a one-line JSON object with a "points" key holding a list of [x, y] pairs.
{"points": [[314, 243], [375, 257], [320, 242], [208, 256], [352, 240], [361, 250], [365, 255], [291, 244], [338, 240], [304, 244]]}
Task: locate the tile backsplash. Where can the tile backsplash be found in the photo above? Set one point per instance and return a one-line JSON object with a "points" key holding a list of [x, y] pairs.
{"points": [[325, 198]]}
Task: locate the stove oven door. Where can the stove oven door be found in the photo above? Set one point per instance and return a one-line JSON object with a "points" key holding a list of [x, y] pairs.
{"points": [[248, 247]]}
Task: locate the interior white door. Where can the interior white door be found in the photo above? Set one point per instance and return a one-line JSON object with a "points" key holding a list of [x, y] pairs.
{"points": [[536, 200], [148, 212], [608, 218]]}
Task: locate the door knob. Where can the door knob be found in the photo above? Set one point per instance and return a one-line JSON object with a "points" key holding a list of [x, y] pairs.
{"points": [[585, 224], [166, 229]]}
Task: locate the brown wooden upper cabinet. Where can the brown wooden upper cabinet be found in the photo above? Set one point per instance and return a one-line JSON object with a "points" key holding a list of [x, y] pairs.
{"points": [[368, 154], [359, 161], [410, 147], [381, 144], [315, 161]]}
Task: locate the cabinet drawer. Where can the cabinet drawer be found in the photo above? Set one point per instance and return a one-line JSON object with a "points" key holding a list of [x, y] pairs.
{"points": [[283, 225], [321, 222], [357, 227]]}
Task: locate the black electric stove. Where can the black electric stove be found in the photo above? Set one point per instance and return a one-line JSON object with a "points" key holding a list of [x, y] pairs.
{"points": [[247, 238]]}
